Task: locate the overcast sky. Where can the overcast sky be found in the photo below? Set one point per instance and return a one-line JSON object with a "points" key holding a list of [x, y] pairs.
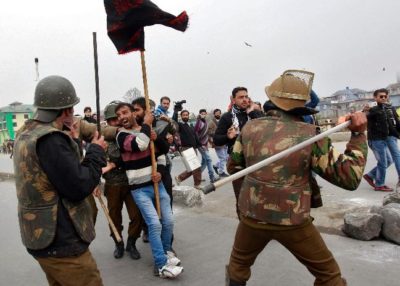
{"points": [[345, 42]]}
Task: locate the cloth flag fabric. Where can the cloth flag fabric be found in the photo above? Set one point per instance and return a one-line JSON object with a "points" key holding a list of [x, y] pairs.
{"points": [[126, 20]]}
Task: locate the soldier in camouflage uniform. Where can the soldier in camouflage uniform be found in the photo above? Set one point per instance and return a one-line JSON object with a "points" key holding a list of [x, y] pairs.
{"points": [[117, 191], [53, 186], [274, 201]]}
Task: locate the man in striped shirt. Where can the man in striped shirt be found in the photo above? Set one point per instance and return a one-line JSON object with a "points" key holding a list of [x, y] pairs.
{"points": [[134, 141]]}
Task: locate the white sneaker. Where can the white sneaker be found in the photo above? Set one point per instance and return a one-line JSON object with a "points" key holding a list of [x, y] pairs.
{"points": [[172, 259], [170, 271]]}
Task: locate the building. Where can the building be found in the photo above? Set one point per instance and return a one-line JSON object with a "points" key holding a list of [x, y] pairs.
{"points": [[12, 117]]}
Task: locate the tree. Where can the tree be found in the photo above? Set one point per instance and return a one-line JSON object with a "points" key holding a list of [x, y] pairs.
{"points": [[132, 94]]}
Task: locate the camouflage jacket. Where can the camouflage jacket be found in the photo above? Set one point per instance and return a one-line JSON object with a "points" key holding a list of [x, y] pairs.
{"points": [[37, 198], [280, 193], [116, 176]]}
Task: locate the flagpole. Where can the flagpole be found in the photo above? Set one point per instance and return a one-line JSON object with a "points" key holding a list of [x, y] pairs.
{"points": [[96, 75], [211, 187], [152, 150]]}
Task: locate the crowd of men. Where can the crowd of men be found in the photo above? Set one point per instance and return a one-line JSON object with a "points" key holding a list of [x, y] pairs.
{"points": [[56, 183]]}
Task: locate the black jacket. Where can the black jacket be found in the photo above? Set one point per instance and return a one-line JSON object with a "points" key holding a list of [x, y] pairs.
{"points": [[383, 121], [187, 134], [220, 137], [74, 180]]}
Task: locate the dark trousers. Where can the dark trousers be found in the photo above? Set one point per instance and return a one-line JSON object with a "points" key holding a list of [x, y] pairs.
{"points": [[71, 271], [305, 243], [116, 197], [95, 210]]}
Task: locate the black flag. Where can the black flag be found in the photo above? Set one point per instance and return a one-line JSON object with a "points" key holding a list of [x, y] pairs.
{"points": [[126, 20]]}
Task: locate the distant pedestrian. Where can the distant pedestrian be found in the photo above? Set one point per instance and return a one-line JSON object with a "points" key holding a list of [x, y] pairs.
{"points": [[221, 151]]}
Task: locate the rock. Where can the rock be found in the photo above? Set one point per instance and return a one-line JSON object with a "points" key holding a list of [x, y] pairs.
{"points": [[391, 224], [376, 209], [392, 205], [362, 226], [391, 198], [187, 196]]}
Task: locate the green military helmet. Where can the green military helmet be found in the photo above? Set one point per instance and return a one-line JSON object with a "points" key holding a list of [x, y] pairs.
{"points": [[54, 93], [109, 110]]}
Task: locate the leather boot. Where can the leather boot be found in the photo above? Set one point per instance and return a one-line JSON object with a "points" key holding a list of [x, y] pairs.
{"points": [[229, 282], [131, 248], [119, 250]]}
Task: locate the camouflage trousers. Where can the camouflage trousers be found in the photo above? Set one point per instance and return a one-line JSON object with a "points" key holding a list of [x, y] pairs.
{"points": [[305, 243], [116, 197], [71, 271]]}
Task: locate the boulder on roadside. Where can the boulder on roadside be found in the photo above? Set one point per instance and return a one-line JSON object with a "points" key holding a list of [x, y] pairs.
{"points": [[391, 198], [391, 224], [376, 209], [362, 226]]}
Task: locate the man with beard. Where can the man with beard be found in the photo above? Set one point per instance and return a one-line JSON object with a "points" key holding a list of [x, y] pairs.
{"points": [[222, 151], [134, 143], [201, 129], [188, 139], [232, 122], [117, 191]]}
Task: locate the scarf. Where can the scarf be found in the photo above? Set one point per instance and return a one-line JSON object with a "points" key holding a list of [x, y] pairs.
{"points": [[235, 121]]}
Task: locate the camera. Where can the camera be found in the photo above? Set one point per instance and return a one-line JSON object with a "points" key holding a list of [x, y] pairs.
{"points": [[178, 105]]}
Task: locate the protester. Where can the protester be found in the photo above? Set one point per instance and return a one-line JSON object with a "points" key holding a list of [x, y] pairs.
{"points": [[88, 115], [134, 143], [188, 139], [162, 109], [53, 185], [275, 201], [117, 191], [201, 129], [221, 151], [383, 132], [232, 122]]}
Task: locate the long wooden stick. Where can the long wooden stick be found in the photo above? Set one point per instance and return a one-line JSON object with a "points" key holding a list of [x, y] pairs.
{"points": [[96, 75], [211, 187], [110, 222], [152, 150]]}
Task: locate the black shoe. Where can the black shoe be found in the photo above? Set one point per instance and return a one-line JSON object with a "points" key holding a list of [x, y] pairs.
{"points": [[145, 237], [223, 175], [215, 169], [131, 248], [156, 272], [119, 250]]}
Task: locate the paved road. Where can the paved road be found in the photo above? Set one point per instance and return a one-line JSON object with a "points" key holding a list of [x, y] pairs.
{"points": [[204, 238]]}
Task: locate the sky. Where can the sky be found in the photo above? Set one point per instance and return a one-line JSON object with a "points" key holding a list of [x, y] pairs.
{"points": [[346, 43]]}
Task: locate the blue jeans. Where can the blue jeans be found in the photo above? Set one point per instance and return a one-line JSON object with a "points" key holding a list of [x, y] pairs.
{"points": [[222, 153], [380, 149], [160, 230], [206, 162]]}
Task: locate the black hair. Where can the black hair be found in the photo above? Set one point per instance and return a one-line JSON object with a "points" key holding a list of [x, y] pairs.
{"points": [[185, 111], [87, 108], [237, 89], [384, 90], [141, 101], [165, 97], [202, 110], [216, 110], [122, 104]]}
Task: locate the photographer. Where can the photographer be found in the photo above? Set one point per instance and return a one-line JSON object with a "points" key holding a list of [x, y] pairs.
{"points": [[383, 132], [188, 139]]}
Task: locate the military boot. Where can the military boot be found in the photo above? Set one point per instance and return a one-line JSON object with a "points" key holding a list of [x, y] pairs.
{"points": [[119, 250], [131, 248]]}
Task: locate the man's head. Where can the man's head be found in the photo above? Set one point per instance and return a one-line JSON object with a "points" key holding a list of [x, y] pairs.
{"points": [[240, 98], [202, 113], [55, 97], [139, 109], [87, 111], [185, 115], [165, 102], [217, 113], [381, 96], [109, 113], [291, 90], [124, 112]]}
